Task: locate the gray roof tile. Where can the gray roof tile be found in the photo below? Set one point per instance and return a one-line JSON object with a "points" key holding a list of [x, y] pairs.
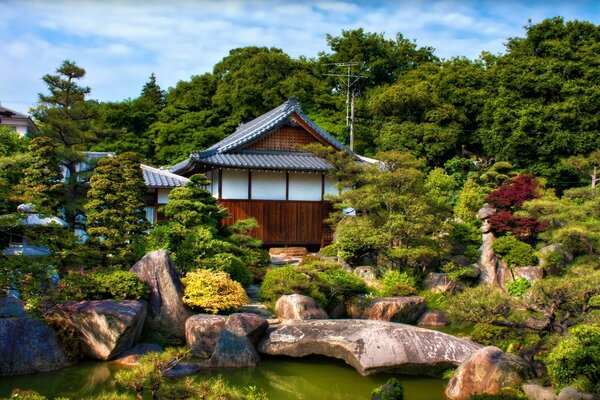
{"points": [[158, 178], [7, 112], [295, 161]]}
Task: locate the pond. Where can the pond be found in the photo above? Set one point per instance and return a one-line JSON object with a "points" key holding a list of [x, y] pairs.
{"points": [[310, 378]]}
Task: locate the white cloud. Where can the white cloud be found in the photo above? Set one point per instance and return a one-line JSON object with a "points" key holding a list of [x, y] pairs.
{"points": [[121, 42]]}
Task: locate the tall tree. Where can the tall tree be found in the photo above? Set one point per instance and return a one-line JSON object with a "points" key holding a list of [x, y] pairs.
{"points": [[65, 116], [153, 93], [115, 209], [13, 160], [42, 183]]}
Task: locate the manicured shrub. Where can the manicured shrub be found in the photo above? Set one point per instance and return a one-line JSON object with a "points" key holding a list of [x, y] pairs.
{"points": [[391, 390], [330, 250], [514, 252], [397, 283], [515, 192], [118, 285], [324, 281], [518, 287], [234, 266], [576, 359], [213, 291], [505, 221], [489, 335]]}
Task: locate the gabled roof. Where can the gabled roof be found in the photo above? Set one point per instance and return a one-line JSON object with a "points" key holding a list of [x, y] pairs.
{"points": [[158, 178], [231, 151], [265, 124], [8, 113]]}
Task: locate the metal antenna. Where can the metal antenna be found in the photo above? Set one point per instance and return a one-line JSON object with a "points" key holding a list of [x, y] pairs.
{"points": [[348, 80]]}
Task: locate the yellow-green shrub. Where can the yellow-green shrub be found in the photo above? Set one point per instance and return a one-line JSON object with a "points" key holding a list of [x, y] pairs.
{"points": [[213, 291]]}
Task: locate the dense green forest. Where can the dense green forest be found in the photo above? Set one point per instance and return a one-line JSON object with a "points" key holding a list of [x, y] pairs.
{"points": [[531, 106]]}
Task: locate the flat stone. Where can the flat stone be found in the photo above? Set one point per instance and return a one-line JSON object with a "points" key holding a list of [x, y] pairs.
{"points": [[11, 307], [570, 393], [130, 358], [485, 212], [182, 369], [370, 346], [531, 273], [537, 392]]}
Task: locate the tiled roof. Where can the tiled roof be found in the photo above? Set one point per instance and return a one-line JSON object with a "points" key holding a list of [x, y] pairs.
{"points": [[229, 151], [265, 124], [7, 112], [269, 160], [158, 178]]}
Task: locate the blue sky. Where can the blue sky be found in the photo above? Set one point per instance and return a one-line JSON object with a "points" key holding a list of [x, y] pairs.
{"points": [[120, 43]]}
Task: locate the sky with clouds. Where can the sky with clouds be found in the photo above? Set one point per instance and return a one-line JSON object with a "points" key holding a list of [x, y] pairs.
{"points": [[121, 42]]}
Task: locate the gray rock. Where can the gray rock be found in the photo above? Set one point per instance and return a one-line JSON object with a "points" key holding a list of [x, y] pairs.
{"points": [[370, 346], [439, 282], [166, 311], [202, 332], [182, 369], [130, 358], [296, 307], [28, 346], [532, 274], [485, 212], [570, 393], [235, 347], [395, 309], [564, 257], [105, 328], [365, 272], [537, 392], [488, 262], [433, 318], [489, 371], [11, 307]]}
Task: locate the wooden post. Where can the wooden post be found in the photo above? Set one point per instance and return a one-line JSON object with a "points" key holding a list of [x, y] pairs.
{"points": [[220, 183], [322, 187], [249, 184], [352, 122], [287, 185]]}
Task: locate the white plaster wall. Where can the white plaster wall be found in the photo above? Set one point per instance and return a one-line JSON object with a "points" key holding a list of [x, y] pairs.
{"points": [[305, 186], [163, 196], [267, 185], [330, 186], [235, 184], [214, 177]]}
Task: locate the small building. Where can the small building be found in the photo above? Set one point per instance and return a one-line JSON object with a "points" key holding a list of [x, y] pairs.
{"points": [[261, 171], [22, 123], [159, 184]]}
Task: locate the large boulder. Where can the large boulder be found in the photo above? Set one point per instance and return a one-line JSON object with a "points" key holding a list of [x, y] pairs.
{"points": [[487, 371], [370, 346], [395, 309], [571, 393], [11, 307], [202, 332], [532, 274], [105, 328], [130, 358], [295, 307], [560, 259], [439, 282], [28, 346], [235, 347], [166, 311]]}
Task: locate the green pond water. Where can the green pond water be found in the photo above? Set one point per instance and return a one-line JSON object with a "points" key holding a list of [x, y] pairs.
{"points": [[309, 378]]}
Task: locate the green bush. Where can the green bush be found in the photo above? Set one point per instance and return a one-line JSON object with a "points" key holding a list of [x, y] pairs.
{"points": [[576, 359], [554, 262], [397, 283], [330, 251], [324, 281], [514, 252], [489, 335], [118, 285], [391, 390], [213, 291], [518, 287], [229, 263]]}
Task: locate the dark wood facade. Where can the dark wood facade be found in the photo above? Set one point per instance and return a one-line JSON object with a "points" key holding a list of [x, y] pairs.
{"points": [[284, 222]]}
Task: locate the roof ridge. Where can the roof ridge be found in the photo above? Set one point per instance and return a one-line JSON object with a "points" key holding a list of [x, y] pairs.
{"points": [[165, 172]]}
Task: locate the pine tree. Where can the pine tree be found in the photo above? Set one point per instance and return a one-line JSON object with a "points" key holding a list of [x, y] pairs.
{"points": [[152, 92], [42, 183], [115, 209], [64, 115]]}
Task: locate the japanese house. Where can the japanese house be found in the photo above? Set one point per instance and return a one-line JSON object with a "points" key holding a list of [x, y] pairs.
{"points": [[260, 171]]}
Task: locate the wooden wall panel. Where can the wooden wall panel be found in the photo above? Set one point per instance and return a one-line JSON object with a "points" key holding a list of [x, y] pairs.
{"points": [[286, 138], [282, 222]]}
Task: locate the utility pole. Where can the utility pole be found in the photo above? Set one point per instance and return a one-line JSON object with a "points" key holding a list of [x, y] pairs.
{"points": [[348, 79]]}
